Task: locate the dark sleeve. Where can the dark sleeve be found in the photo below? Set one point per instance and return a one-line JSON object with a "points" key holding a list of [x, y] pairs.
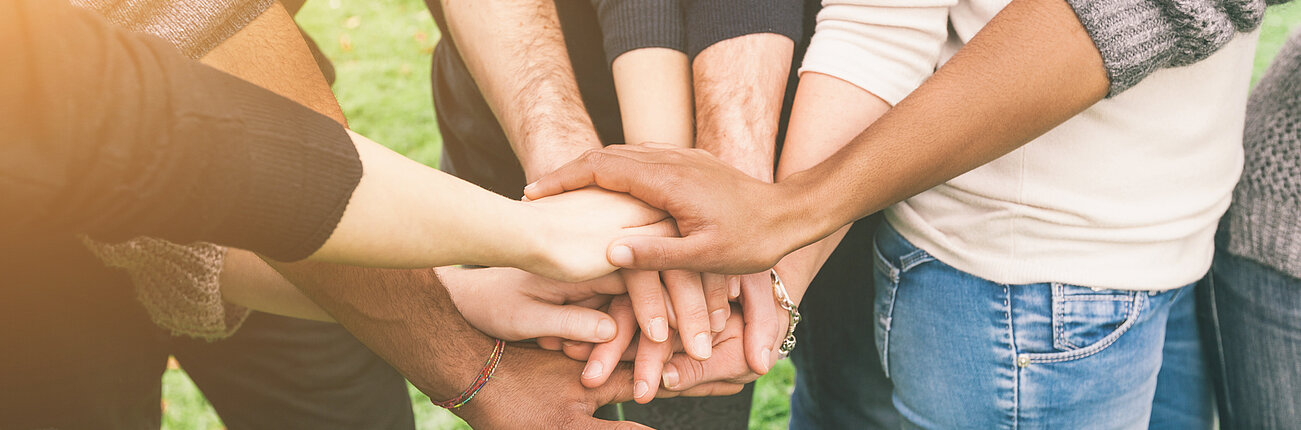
{"points": [[115, 134], [712, 21], [1138, 37], [634, 24]]}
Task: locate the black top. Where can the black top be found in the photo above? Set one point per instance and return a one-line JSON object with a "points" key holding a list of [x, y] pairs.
{"points": [[116, 135], [691, 26]]}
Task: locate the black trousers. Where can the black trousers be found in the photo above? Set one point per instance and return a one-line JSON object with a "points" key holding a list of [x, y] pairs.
{"points": [[80, 353]]}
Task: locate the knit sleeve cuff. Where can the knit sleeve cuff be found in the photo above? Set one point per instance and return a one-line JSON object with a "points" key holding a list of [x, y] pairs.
{"points": [[712, 21], [634, 24], [178, 285], [1138, 37], [296, 171]]}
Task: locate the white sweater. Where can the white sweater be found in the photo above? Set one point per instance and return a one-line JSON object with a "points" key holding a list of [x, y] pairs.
{"points": [[1126, 195]]}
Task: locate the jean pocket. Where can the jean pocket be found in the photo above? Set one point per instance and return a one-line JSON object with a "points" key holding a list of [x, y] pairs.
{"points": [[1086, 321], [886, 278]]}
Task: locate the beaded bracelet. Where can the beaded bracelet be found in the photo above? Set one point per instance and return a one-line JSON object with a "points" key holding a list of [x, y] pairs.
{"points": [[488, 367]]}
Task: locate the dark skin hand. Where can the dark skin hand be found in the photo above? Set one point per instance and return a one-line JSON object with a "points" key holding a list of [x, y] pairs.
{"points": [[1031, 68], [407, 317]]}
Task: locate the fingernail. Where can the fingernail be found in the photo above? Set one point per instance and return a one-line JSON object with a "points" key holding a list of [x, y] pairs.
{"points": [[765, 357], [670, 376], [529, 186], [718, 320], [572, 344], [639, 389], [773, 361], [593, 370], [621, 256], [659, 330], [702, 345], [605, 329], [733, 287]]}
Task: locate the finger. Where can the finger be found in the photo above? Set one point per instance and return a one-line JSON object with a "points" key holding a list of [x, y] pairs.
{"points": [[666, 227], [648, 367], [647, 296], [576, 350], [550, 343], [759, 308], [575, 323], [716, 300], [607, 168], [662, 253], [605, 357], [688, 297], [712, 389]]}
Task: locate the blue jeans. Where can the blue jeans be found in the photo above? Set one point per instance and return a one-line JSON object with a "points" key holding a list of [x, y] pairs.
{"points": [[964, 352], [1253, 316]]}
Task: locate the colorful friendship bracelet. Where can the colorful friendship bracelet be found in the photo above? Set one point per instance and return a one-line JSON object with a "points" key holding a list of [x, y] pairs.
{"points": [[488, 367]]}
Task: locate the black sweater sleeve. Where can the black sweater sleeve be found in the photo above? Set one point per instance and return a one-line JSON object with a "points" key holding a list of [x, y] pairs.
{"points": [[634, 24], [116, 135], [712, 21]]}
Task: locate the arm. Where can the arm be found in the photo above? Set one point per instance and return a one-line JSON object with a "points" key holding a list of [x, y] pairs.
{"points": [[517, 55], [1033, 62], [407, 317]]}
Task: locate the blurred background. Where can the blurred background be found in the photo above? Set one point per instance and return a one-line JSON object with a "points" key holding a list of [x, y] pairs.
{"points": [[380, 51]]}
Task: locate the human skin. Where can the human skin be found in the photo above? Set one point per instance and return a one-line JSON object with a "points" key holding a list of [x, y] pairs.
{"points": [[1031, 68], [406, 316]]}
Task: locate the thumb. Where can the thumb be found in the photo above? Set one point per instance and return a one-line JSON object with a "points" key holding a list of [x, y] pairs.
{"points": [[571, 176], [659, 253], [564, 321]]}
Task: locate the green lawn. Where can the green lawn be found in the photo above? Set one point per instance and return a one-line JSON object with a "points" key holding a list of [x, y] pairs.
{"points": [[381, 52]]}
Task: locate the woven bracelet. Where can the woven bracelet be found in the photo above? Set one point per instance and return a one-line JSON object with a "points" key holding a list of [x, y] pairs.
{"points": [[484, 375]]}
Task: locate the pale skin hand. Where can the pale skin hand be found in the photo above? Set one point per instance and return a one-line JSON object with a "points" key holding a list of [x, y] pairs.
{"points": [[739, 86], [1031, 68]]}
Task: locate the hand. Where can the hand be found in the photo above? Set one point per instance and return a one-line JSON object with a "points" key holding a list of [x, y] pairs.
{"points": [[513, 305], [536, 389], [570, 232], [731, 223]]}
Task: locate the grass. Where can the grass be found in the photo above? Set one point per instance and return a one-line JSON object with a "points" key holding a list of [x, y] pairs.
{"points": [[381, 52]]}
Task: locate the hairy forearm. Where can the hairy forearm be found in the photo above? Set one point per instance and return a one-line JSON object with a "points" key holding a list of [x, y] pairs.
{"points": [[654, 89], [517, 54], [405, 316], [1031, 68], [740, 84]]}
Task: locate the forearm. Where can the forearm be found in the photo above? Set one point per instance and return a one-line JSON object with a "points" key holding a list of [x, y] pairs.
{"points": [[654, 90], [827, 114], [518, 57], [405, 316], [740, 84], [248, 281], [1031, 68]]}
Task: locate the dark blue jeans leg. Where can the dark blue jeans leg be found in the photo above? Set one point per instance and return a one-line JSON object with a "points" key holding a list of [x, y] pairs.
{"points": [[838, 381], [1253, 315]]}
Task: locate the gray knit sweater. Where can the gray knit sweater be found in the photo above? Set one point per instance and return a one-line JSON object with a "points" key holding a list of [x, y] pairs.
{"points": [[1265, 218]]}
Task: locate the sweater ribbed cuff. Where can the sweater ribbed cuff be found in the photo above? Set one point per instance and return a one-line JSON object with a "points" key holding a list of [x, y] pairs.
{"points": [[299, 171], [634, 24], [713, 21], [1267, 231]]}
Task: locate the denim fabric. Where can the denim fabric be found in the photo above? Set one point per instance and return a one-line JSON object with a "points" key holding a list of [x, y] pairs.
{"points": [[964, 352], [1253, 316], [838, 378]]}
